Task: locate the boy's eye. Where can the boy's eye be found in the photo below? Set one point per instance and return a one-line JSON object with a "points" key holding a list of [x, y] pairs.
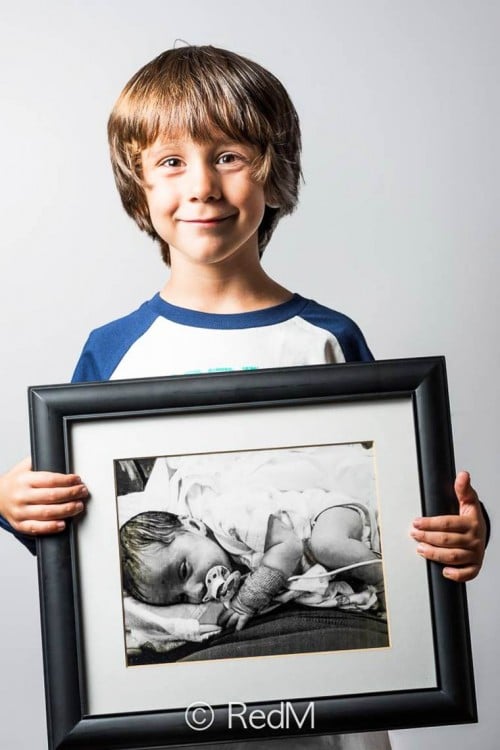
{"points": [[172, 161], [227, 158]]}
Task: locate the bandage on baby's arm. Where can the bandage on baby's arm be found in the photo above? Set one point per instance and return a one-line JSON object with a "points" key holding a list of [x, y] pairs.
{"points": [[258, 590]]}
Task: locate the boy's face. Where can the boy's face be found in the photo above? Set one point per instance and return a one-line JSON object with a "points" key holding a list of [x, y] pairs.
{"points": [[203, 200], [176, 572]]}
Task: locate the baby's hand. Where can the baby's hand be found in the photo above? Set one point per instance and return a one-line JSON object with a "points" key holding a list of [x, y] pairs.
{"points": [[232, 619], [457, 542], [36, 502]]}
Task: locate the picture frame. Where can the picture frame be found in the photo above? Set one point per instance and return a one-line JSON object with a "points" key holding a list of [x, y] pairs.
{"points": [[423, 676]]}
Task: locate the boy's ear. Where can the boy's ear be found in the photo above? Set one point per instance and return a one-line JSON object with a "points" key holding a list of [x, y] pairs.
{"points": [[270, 203], [270, 199], [193, 525]]}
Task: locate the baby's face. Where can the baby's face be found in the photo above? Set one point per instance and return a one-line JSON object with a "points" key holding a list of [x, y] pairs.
{"points": [[176, 572]]}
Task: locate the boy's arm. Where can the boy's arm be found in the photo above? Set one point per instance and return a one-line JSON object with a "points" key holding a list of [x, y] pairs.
{"points": [[283, 550], [458, 542], [37, 502]]}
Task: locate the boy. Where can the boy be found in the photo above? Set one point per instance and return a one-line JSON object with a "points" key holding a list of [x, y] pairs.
{"points": [[205, 147]]}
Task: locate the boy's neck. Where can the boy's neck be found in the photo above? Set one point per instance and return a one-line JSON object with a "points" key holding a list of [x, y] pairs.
{"points": [[233, 288]]}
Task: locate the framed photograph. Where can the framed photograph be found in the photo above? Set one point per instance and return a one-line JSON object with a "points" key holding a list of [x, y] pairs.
{"points": [[243, 568]]}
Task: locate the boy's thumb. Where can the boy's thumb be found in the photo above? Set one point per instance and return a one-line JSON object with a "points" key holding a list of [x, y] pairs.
{"points": [[466, 494]]}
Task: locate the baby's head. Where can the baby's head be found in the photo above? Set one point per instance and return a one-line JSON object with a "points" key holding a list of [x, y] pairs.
{"points": [[202, 93], [165, 558]]}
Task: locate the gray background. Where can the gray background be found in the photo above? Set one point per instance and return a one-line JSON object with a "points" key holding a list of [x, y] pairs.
{"points": [[397, 228]]}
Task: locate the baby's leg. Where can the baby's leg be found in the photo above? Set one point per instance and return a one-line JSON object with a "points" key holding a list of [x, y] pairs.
{"points": [[336, 541]]}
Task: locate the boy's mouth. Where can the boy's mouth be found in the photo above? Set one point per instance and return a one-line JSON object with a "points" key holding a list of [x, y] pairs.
{"points": [[208, 220]]}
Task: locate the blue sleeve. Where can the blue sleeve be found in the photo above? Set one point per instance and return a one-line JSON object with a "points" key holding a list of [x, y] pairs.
{"points": [[87, 369], [28, 541], [345, 330], [354, 344], [106, 346]]}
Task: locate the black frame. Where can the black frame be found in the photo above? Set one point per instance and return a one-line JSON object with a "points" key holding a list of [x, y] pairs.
{"points": [[54, 408]]}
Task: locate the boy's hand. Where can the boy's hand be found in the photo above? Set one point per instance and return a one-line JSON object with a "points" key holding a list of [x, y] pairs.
{"points": [[457, 542], [36, 502]]}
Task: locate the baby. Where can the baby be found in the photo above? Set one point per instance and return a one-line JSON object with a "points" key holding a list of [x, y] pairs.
{"points": [[168, 559]]}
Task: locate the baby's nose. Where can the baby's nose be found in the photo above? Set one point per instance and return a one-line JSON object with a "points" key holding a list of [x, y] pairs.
{"points": [[196, 592]]}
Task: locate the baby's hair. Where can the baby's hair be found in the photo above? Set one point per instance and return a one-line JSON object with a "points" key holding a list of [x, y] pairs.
{"points": [[201, 93], [143, 532]]}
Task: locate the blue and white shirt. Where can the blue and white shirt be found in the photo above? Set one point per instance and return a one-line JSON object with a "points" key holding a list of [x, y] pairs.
{"points": [[161, 339]]}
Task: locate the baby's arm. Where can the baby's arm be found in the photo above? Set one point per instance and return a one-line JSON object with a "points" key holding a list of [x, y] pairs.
{"points": [[37, 502], [336, 542], [283, 550]]}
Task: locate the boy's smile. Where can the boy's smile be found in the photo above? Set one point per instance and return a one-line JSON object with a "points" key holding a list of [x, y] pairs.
{"points": [[202, 198]]}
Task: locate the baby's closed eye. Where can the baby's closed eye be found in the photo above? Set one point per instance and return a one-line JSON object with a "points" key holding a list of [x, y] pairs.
{"points": [[183, 571]]}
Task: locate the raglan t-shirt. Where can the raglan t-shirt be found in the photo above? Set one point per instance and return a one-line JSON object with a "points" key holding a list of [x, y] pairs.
{"points": [[162, 339]]}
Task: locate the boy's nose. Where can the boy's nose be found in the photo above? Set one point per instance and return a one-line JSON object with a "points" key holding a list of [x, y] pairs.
{"points": [[204, 183]]}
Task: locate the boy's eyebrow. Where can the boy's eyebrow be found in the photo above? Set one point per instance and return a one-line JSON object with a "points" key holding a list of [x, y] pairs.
{"points": [[160, 145], [154, 151], [157, 149]]}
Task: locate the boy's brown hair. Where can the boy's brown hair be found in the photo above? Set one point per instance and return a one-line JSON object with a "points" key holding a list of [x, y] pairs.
{"points": [[200, 92]]}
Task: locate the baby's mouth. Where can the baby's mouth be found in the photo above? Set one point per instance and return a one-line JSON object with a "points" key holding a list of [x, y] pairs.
{"points": [[214, 581], [221, 583]]}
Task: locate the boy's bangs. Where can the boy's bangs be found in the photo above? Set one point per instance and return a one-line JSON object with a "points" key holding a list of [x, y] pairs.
{"points": [[203, 110]]}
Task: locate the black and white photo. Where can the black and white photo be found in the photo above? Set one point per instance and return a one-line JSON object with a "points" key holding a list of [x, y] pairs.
{"points": [[214, 544]]}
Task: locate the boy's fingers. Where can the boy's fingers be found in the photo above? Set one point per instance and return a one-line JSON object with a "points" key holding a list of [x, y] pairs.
{"points": [[46, 516], [469, 510], [464, 490], [444, 524], [57, 495], [442, 539], [35, 528], [469, 504], [53, 479], [461, 575], [447, 556], [55, 512]]}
